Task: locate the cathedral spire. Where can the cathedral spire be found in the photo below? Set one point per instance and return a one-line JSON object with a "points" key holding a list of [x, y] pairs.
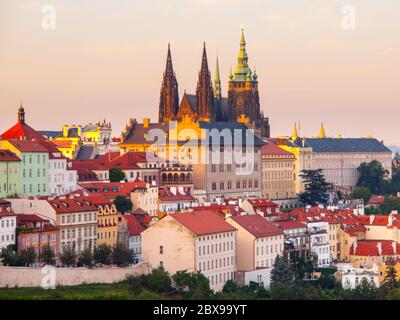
{"points": [[21, 114], [169, 96], [204, 62], [169, 70], [217, 83], [242, 69], [322, 133], [204, 91]]}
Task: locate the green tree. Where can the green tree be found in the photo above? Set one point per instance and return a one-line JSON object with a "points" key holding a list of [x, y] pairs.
{"points": [[192, 285], [48, 255], [281, 272], [103, 254], [302, 267], [372, 176], [327, 279], [316, 188], [361, 193], [68, 257], [390, 281], [28, 256], [366, 290], [121, 255], [86, 258], [116, 175], [123, 204], [9, 256], [390, 204], [159, 280]]}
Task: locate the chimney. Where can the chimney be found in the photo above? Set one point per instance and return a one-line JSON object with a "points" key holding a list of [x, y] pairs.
{"points": [[379, 246], [394, 246], [371, 219], [146, 122]]}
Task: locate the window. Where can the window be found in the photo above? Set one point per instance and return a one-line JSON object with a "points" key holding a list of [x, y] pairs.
{"points": [[161, 249], [214, 186]]}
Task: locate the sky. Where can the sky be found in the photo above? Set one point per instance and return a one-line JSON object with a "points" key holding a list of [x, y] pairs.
{"points": [[105, 59]]}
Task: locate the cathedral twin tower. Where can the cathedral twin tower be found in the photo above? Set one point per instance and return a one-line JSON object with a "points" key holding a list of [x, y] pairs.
{"points": [[242, 104]]}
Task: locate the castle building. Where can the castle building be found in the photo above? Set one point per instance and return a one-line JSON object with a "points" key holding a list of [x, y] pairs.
{"points": [[208, 105], [277, 167]]}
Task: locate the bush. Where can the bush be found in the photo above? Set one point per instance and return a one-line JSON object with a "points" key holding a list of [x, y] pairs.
{"points": [[135, 283], [159, 280], [192, 285], [361, 193]]}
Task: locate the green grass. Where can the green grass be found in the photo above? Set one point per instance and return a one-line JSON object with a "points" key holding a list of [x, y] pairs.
{"points": [[115, 291]]}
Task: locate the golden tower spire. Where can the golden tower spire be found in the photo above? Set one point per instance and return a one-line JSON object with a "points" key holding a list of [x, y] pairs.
{"points": [[294, 134], [322, 133]]}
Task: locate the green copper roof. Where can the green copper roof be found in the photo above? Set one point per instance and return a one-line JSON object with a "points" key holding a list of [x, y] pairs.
{"points": [[242, 71]]}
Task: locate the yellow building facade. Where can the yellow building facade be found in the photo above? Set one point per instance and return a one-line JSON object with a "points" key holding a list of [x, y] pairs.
{"points": [[107, 229]]}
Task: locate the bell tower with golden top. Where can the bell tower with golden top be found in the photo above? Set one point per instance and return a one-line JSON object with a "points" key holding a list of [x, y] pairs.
{"points": [[243, 96]]}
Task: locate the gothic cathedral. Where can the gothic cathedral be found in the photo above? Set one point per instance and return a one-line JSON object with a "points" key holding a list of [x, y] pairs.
{"points": [[242, 104]]}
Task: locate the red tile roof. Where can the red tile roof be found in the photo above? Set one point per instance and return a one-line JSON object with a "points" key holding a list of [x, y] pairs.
{"points": [[113, 189], [286, 225], [24, 218], [167, 195], [374, 220], [134, 225], [22, 131], [370, 248], [271, 149], [127, 161], [6, 209], [67, 204], [257, 225], [203, 222], [376, 200], [28, 146], [7, 155]]}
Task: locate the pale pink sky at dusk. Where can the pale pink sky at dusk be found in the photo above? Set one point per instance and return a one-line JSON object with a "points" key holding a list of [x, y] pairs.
{"points": [[105, 60]]}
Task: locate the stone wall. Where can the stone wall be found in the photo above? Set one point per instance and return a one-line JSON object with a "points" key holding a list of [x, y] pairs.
{"points": [[34, 277]]}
